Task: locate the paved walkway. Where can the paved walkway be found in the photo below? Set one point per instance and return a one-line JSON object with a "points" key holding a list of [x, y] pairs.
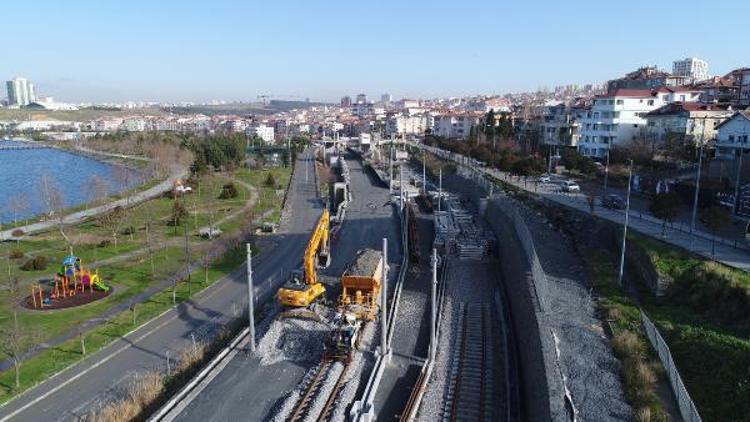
{"points": [[731, 253]]}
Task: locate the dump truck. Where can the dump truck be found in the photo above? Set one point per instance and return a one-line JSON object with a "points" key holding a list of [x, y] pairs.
{"points": [[360, 285]]}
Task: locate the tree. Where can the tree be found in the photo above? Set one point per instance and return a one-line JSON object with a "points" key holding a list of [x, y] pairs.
{"points": [[13, 337], [716, 218], [18, 204], [52, 196], [666, 207], [97, 189], [178, 213], [113, 220]]}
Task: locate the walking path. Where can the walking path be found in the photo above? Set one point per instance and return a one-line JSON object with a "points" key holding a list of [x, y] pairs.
{"points": [[731, 253]]}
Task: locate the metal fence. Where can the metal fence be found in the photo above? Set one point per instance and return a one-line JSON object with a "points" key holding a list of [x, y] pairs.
{"points": [[688, 411]]}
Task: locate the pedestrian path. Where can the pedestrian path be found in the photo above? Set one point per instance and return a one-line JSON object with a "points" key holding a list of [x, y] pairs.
{"points": [[732, 253]]}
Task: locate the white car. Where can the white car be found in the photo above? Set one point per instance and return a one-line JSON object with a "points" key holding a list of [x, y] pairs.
{"points": [[570, 186], [545, 178]]}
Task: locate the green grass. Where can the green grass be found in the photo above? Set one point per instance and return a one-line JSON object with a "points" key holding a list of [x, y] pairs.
{"points": [[704, 319], [71, 115]]}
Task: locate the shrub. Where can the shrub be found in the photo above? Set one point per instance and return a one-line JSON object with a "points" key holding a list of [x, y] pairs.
{"points": [[16, 254], [129, 230], [270, 181], [17, 233], [35, 264], [228, 191], [104, 243]]}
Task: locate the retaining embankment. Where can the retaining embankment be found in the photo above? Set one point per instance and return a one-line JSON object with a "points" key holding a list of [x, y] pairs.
{"points": [[541, 387]]}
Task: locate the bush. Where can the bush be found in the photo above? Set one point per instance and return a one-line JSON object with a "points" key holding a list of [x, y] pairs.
{"points": [[228, 191], [35, 264], [16, 254], [17, 233], [104, 243], [128, 230], [270, 181]]}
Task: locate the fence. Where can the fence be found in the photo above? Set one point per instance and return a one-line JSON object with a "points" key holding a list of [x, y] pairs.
{"points": [[688, 411]]}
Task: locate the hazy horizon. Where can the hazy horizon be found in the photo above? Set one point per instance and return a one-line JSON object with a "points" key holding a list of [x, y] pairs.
{"points": [[87, 51]]}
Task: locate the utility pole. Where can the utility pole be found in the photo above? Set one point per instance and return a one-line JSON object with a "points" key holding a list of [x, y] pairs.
{"points": [[440, 188], [383, 298], [606, 172], [401, 187], [736, 203], [250, 298], [424, 171], [625, 228], [433, 320], [697, 185], [390, 159]]}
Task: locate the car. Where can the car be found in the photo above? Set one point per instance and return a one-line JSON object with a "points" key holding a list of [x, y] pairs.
{"points": [[613, 201], [570, 186], [545, 178]]}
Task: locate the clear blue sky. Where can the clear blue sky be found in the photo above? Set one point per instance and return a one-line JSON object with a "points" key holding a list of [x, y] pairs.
{"points": [[188, 50]]}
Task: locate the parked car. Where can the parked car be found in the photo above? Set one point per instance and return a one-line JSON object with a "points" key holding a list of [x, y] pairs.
{"points": [[613, 201], [544, 178], [570, 186]]}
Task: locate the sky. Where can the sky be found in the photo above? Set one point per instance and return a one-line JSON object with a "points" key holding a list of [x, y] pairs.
{"points": [[170, 51]]}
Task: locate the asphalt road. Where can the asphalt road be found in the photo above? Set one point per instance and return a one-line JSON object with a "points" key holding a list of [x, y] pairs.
{"points": [[107, 373], [247, 390]]}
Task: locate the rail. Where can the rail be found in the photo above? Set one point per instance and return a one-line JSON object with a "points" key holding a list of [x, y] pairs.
{"points": [[362, 410]]}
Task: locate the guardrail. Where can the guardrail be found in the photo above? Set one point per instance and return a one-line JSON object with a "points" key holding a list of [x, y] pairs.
{"points": [[688, 411]]}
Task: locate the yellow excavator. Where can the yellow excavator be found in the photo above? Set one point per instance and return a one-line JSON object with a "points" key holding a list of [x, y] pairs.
{"points": [[303, 286]]}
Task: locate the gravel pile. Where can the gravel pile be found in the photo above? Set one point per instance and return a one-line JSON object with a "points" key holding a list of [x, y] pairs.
{"points": [[586, 360], [365, 263], [292, 339]]}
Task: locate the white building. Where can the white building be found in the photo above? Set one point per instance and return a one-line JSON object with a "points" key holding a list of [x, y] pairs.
{"points": [[618, 118], [691, 67], [454, 125], [682, 94], [400, 124], [733, 136], [687, 122], [264, 132], [21, 92], [745, 86]]}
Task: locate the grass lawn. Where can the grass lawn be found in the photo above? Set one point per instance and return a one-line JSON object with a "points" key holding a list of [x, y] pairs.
{"points": [[93, 241]]}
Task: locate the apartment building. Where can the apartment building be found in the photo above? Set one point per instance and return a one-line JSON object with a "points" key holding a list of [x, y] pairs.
{"points": [[561, 124], [401, 124], [264, 132], [691, 67], [689, 122], [454, 125], [733, 136], [615, 118]]}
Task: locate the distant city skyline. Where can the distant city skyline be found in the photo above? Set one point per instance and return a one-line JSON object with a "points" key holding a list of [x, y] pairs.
{"points": [[191, 51]]}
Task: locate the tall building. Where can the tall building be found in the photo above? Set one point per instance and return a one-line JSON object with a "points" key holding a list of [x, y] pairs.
{"points": [[361, 98], [346, 101], [20, 92], [691, 67], [386, 98]]}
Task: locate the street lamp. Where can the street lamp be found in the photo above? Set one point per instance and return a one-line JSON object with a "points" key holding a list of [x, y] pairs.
{"points": [[697, 185], [625, 228], [606, 172]]}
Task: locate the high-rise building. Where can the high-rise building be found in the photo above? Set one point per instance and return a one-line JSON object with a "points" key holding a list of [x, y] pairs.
{"points": [[386, 98], [346, 101], [20, 92], [691, 67], [361, 99]]}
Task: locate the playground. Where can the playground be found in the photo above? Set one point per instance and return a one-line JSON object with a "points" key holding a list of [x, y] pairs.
{"points": [[72, 286]]}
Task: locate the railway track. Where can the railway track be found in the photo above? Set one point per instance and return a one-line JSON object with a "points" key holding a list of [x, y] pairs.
{"points": [[470, 389], [312, 391]]}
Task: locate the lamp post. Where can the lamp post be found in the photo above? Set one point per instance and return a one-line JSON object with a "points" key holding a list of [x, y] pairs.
{"points": [[606, 172], [625, 228], [250, 298], [697, 185], [736, 202]]}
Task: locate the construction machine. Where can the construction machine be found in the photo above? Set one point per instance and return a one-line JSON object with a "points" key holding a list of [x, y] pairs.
{"points": [[303, 286], [360, 285]]}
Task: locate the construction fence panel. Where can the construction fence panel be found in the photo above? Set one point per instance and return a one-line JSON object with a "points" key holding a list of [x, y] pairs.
{"points": [[688, 411]]}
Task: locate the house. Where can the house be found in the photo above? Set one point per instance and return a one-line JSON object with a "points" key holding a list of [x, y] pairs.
{"points": [[648, 77], [454, 125], [561, 124], [689, 122], [615, 118], [264, 132], [732, 136]]}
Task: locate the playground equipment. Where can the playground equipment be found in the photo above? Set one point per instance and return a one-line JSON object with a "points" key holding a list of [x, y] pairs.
{"points": [[37, 296], [73, 277]]}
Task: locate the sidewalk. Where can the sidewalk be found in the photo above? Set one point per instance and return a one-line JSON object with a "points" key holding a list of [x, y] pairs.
{"points": [[731, 253]]}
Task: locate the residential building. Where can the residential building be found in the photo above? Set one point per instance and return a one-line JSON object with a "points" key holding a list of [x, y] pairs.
{"points": [[744, 87], [561, 124], [21, 92], [689, 122], [400, 124], [454, 125], [346, 101], [691, 67], [733, 136], [386, 98], [264, 132], [683, 94], [648, 77], [361, 99], [615, 118]]}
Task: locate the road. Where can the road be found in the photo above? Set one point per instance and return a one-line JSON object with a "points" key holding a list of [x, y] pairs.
{"points": [[247, 390], [107, 373], [727, 252]]}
